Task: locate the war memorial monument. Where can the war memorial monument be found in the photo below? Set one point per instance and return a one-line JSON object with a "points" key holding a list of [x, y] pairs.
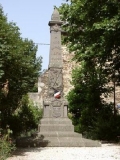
{"points": [[55, 128]]}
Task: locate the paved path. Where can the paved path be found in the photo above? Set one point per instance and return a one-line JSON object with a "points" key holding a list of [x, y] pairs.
{"points": [[106, 152]]}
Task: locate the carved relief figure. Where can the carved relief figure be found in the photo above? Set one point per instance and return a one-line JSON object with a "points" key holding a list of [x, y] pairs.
{"points": [[55, 81], [55, 28]]}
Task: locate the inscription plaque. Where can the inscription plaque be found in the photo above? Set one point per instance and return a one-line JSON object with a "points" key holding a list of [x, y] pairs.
{"points": [[56, 112]]}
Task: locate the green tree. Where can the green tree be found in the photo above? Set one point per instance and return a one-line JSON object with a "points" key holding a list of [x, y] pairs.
{"points": [[93, 34], [18, 66]]}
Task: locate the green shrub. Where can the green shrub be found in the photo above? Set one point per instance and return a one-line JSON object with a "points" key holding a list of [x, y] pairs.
{"points": [[6, 144], [26, 118], [108, 130], [104, 128]]}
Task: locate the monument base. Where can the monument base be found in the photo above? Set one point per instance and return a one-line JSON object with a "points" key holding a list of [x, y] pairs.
{"points": [[59, 132], [56, 132]]}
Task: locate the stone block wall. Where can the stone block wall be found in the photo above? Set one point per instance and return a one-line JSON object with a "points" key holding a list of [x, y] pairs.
{"points": [[117, 94], [43, 79], [68, 65]]}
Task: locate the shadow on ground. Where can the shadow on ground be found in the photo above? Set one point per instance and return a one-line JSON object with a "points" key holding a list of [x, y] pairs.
{"points": [[22, 151], [28, 142]]}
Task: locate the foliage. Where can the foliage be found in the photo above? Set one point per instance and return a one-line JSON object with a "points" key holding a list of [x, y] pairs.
{"points": [[93, 34], [6, 144], [18, 66], [107, 129], [93, 30], [25, 118], [35, 88], [86, 103]]}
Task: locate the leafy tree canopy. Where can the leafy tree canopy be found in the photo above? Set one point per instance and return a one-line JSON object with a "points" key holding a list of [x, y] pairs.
{"points": [[93, 29], [19, 67], [93, 34]]}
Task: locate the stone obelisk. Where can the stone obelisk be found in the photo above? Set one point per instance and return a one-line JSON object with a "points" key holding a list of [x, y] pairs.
{"points": [[55, 107], [55, 57], [55, 128]]}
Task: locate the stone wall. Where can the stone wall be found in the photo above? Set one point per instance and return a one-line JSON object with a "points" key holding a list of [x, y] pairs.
{"points": [[68, 65], [34, 97], [43, 85], [117, 94]]}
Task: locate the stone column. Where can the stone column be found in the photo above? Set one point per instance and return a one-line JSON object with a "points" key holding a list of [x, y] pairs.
{"points": [[55, 107]]}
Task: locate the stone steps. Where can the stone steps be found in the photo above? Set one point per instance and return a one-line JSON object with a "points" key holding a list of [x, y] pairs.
{"points": [[55, 127], [59, 134], [55, 121], [56, 142], [69, 142]]}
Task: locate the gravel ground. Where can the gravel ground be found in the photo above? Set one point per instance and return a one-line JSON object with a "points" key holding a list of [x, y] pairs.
{"points": [[106, 152]]}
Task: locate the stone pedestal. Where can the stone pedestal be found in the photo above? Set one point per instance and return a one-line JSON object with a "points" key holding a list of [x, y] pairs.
{"points": [[55, 108], [56, 129]]}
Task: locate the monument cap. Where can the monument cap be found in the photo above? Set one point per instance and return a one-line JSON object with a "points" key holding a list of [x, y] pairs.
{"points": [[55, 18]]}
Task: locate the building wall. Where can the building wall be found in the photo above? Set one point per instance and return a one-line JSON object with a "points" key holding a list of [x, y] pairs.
{"points": [[68, 65]]}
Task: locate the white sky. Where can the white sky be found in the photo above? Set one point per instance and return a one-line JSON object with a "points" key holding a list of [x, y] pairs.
{"points": [[32, 17]]}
